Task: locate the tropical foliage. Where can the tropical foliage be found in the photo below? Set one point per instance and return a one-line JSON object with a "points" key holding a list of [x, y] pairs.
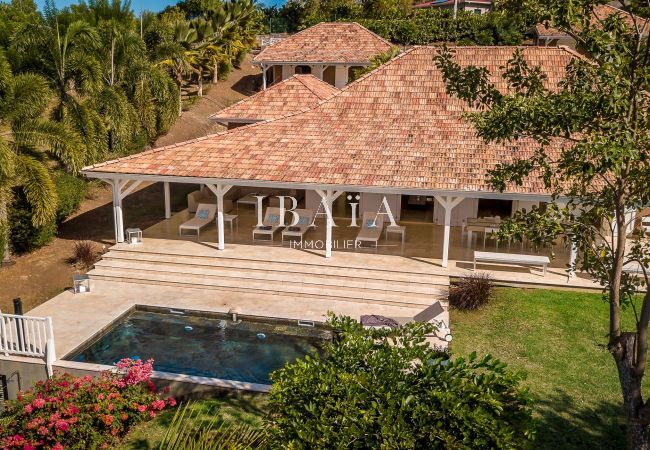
{"points": [[92, 81], [188, 432], [82, 412], [593, 130], [377, 388], [397, 21]]}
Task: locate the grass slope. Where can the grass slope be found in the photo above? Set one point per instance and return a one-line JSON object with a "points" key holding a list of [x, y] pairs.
{"points": [[557, 338]]}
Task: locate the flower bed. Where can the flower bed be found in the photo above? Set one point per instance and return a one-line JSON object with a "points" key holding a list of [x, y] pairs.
{"points": [[82, 412]]}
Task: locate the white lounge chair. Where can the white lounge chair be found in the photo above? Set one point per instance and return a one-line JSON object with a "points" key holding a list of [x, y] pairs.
{"points": [[371, 228], [305, 219], [270, 224], [204, 215]]}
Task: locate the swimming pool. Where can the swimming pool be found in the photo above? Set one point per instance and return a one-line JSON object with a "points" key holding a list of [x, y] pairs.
{"points": [[204, 344]]}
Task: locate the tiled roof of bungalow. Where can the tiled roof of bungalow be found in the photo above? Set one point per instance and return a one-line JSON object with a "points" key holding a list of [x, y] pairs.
{"points": [[295, 94], [326, 42], [395, 128]]}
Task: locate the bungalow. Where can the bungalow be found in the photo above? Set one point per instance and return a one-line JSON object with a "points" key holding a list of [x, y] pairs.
{"points": [[475, 6], [329, 51], [394, 139], [295, 94]]}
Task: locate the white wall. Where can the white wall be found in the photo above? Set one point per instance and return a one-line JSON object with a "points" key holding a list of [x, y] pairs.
{"points": [[465, 209]]}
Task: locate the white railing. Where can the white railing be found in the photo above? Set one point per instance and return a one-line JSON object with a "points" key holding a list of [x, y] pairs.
{"points": [[27, 336]]}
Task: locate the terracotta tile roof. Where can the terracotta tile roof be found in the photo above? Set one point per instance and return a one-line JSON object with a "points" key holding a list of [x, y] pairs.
{"points": [[295, 94], [395, 127], [326, 42], [461, 3]]}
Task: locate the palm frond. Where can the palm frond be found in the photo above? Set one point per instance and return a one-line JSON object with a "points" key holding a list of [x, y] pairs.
{"points": [[30, 97], [7, 156], [40, 191], [188, 432], [51, 137]]}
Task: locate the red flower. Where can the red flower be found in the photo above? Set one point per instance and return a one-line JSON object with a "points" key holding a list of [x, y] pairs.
{"points": [[57, 446], [107, 419], [38, 403], [124, 417], [142, 408], [171, 401], [28, 409], [62, 425]]}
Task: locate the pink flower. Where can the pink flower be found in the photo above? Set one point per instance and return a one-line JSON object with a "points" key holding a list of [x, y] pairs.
{"points": [[28, 409], [152, 414], [171, 401], [38, 403], [107, 419], [142, 408], [157, 405], [62, 425], [100, 397], [57, 446]]}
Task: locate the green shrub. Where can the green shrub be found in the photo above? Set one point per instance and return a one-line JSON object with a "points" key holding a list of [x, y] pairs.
{"points": [[390, 389], [23, 235], [71, 191]]}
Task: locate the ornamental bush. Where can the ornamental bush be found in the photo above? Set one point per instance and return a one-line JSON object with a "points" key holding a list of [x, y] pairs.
{"points": [[82, 412], [390, 389]]}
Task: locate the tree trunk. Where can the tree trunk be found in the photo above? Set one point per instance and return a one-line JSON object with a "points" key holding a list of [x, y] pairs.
{"points": [[5, 255], [215, 73], [636, 414], [199, 80], [180, 100]]}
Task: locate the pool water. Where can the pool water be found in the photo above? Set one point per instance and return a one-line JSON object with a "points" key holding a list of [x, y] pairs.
{"points": [[209, 346]]}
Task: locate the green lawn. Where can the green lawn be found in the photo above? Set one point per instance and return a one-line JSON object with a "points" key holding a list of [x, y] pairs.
{"points": [[557, 338], [233, 408]]}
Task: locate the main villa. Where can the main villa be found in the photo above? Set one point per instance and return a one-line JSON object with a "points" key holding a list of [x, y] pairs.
{"points": [[322, 194]]}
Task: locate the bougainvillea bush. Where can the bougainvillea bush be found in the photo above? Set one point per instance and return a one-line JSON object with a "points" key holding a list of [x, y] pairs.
{"points": [[82, 412]]}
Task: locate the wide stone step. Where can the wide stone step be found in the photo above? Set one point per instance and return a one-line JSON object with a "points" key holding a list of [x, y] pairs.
{"points": [[381, 273], [244, 275], [269, 287]]}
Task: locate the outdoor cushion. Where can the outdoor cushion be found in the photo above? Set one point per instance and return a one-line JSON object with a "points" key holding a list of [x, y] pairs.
{"points": [[371, 223], [202, 214], [274, 218], [303, 221]]}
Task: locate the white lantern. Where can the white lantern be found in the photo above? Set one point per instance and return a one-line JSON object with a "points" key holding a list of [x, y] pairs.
{"points": [[80, 284], [133, 235]]}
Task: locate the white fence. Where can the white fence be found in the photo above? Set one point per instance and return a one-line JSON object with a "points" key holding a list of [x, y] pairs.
{"points": [[27, 336]]}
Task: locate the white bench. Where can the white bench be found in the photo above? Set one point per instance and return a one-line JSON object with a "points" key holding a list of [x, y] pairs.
{"points": [[511, 258]]}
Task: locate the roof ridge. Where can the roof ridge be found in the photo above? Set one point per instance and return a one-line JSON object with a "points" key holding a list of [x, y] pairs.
{"points": [[372, 33], [309, 75], [245, 99]]}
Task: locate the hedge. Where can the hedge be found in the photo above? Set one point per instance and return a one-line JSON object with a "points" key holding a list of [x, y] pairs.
{"points": [[23, 236]]}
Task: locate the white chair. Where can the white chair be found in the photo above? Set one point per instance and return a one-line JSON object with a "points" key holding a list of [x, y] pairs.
{"points": [[204, 215]]}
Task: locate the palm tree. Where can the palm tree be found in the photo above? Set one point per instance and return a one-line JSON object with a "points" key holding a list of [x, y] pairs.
{"points": [[66, 57], [179, 55], [28, 145]]}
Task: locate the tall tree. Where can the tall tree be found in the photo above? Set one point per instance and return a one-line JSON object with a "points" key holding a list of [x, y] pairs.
{"points": [[593, 130], [28, 145]]}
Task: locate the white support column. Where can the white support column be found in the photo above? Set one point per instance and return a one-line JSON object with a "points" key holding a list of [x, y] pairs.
{"points": [[264, 67], [572, 259], [447, 202], [168, 206], [117, 211], [219, 190], [328, 198]]}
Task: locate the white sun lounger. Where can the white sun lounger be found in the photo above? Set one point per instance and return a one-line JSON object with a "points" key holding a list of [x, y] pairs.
{"points": [[512, 259], [428, 315], [371, 228], [305, 219], [205, 213], [272, 220]]}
